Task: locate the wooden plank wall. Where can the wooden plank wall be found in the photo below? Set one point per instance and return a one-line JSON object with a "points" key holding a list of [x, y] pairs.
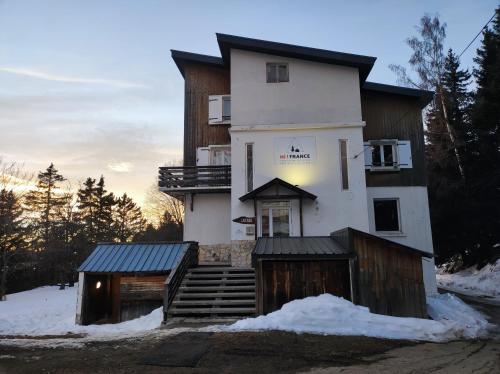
{"points": [[389, 278], [140, 295], [278, 282], [200, 82], [395, 117]]}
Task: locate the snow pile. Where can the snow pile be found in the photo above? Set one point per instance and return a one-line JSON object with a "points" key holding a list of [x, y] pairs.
{"points": [[331, 315], [50, 311], [485, 282]]}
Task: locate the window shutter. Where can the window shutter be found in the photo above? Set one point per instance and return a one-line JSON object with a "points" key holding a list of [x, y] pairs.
{"points": [[202, 156], [367, 150], [404, 154], [214, 109]]}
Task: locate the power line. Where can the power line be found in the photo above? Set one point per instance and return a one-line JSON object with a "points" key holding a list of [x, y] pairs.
{"points": [[479, 33]]}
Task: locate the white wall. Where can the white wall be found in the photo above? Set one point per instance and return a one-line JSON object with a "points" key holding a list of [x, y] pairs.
{"points": [[209, 222], [415, 223], [333, 209], [315, 93]]}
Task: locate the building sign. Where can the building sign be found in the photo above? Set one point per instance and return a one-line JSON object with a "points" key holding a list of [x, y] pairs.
{"points": [[295, 150], [245, 220]]}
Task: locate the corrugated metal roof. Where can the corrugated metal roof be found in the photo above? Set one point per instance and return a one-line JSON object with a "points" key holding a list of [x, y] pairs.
{"points": [[134, 257], [313, 245]]}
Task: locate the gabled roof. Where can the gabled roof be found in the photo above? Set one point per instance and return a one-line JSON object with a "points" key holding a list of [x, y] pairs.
{"points": [[277, 182], [423, 96], [134, 257], [363, 63]]}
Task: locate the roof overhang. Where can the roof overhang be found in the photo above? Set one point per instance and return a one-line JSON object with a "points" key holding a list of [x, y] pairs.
{"points": [[423, 96], [227, 42], [273, 187], [181, 58]]}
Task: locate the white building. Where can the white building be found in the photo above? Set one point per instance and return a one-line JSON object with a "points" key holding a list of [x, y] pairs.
{"points": [[282, 140]]}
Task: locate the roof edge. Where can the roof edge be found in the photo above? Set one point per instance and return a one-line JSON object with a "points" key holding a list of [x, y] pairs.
{"points": [[181, 57], [423, 96]]}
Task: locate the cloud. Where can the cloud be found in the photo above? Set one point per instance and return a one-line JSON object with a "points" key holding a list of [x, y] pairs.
{"points": [[67, 79], [120, 167]]}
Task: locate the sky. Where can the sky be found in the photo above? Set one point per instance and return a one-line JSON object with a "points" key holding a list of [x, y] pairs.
{"points": [[90, 85]]}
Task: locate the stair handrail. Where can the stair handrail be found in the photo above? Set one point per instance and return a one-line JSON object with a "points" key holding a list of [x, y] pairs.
{"points": [[174, 279]]}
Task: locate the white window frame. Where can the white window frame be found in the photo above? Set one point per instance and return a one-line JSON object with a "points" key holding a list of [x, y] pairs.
{"points": [[380, 144], [213, 148], [398, 232], [259, 218], [276, 65], [216, 110]]}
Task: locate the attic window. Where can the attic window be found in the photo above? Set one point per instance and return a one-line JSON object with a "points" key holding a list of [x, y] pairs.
{"points": [[276, 73]]}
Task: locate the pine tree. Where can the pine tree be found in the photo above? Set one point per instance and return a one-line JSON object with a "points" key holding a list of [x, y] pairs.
{"points": [[87, 209], [104, 214], [44, 204], [128, 219], [11, 234]]}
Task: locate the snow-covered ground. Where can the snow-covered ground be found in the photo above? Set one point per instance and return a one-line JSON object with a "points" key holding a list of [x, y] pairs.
{"points": [[50, 311], [483, 282], [332, 315]]}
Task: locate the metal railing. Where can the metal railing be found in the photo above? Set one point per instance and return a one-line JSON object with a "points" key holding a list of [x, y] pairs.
{"points": [[181, 177]]}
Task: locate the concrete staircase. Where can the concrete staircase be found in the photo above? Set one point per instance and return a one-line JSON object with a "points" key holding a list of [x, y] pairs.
{"points": [[215, 291]]}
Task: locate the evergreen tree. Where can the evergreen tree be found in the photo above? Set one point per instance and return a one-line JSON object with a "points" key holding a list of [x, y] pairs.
{"points": [[128, 219], [485, 165], [104, 215], [87, 209], [44, 204], [11, 234]]}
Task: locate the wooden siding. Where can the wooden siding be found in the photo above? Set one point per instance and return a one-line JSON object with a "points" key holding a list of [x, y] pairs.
{"points": [[395, 117], [200, 82], [278, 282], [389, 277], [140, 295]]}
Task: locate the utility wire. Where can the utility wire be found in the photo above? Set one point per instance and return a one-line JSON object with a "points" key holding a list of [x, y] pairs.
{"points": [[479, 33]]}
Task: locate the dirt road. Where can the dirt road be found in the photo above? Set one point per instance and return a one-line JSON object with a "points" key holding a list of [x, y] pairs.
{"points": [[265, 352]]}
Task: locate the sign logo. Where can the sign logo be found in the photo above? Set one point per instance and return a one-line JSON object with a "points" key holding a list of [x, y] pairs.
{"points": [[245, 220], [295, 150]]}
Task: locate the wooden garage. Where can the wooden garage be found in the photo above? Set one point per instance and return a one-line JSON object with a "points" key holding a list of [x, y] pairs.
{"points": [[382, 275], [123, 281]]}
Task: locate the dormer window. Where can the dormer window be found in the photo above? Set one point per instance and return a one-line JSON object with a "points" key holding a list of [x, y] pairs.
{"points": [[276, 72]]}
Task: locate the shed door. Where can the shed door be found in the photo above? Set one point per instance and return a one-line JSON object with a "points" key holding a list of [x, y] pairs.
{"points": [[284, 281]]}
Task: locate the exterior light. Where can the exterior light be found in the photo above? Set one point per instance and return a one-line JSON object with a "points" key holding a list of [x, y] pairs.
{"points": [[98, 285]]}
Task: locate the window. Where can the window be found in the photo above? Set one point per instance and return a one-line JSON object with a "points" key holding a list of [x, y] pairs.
{"points": [[384, 154], [386, 215], [275, 219], [226, 108], [343, 164], [220, 155], [249, 166], [276, 73]]}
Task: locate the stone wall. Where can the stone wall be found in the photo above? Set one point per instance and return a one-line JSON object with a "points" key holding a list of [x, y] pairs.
{"points": [[241, 253], [215, 253]]}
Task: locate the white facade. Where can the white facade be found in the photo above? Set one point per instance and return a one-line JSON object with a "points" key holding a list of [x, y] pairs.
{"points": [[317, 108]]}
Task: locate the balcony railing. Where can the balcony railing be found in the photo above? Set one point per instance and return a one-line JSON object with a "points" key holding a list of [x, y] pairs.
{"points": [[195, 178]]}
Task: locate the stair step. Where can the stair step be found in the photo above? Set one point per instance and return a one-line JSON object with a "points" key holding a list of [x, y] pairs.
{"points": [[217, 269], [214, 263], [182, 295], [181, 303], [174, 311], [216, 288], [211, 276], [189, 282]]}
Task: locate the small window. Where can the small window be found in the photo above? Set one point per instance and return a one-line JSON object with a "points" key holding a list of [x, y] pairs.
{"points": [[226, 108], [384, 154], [249, 166], [386, 215], [343, 164], [276, 73]]}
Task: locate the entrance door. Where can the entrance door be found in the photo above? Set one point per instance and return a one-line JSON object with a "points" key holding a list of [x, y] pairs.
{"points": [[275, 219]]}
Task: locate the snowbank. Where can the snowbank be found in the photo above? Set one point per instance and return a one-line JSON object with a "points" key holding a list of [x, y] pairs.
{"points": [[483, 282], [50, 311], [328, 314]]}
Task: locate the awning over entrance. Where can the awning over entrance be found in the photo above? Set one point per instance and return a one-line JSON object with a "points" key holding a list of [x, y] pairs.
{"points": [[277, 189]]}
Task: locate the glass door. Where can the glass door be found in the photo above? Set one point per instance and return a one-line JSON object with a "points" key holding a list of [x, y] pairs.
{"points": [[275, 219]]}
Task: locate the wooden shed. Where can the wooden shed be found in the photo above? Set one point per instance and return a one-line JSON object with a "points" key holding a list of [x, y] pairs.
{"points": [[123, 281], [380, 274]]}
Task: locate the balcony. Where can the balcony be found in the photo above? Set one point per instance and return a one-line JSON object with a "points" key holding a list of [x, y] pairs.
{"points": [[178, 180]]}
